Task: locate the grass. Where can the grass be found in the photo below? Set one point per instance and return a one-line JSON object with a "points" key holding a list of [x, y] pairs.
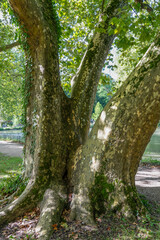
{"points": [[10, 128], [110, 227], [12, 139], [150, 161], [10, 175]]}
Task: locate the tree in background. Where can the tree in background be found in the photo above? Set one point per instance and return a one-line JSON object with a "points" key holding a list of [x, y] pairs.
{"points": [[11, 71], [61, 160]]}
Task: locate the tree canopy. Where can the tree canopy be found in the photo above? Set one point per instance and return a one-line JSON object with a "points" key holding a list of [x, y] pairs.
{"points": [[76, 22]]}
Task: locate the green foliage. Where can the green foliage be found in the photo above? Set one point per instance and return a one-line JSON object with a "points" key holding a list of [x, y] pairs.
{"points": [[137, 29], [11, 184], [11, 71], [150, 161], [105, 90], [99, 194], [11, 176], [77, 21], [134, 202]]}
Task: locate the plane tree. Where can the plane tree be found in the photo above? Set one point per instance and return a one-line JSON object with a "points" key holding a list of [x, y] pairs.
{"points": [[63, 162]]}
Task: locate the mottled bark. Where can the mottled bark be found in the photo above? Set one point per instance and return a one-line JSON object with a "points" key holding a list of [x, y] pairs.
{"points": [[105, 172], [44, 148], [84, 83], [57, 127], [51, 209]]}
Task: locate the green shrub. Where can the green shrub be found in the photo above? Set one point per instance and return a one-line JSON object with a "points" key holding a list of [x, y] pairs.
{"points": [[11, 184]]}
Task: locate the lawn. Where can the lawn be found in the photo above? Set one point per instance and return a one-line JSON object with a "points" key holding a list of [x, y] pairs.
{"points": [[150, 161], [10, 174]]}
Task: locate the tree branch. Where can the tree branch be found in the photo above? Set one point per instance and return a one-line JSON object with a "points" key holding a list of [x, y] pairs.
{"points": [[9, 46], [84, 83]]}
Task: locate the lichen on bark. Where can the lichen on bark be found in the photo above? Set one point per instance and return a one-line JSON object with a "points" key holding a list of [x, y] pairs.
{"points": [[99, 170]]}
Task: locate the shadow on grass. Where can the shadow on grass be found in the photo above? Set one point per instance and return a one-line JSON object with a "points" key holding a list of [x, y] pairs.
{"points": [[9, 165], [10, 174]]}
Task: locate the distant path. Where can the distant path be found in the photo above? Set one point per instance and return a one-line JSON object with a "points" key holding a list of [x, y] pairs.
{"points": [[148, 182], [11, 149]]}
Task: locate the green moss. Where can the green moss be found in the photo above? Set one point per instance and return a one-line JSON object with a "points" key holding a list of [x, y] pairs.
{"points": [[99, 194], [134, 201]]}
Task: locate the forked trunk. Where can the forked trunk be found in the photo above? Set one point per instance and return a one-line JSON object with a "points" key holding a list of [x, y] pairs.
{"points": [[99, 171], [107, 164]]}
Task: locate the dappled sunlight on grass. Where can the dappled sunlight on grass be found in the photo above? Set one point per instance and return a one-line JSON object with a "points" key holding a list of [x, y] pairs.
{"points": [[9, 165], [10, 174]]}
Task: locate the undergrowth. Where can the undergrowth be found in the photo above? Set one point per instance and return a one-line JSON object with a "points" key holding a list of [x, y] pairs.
{"points": [[11, 176]]}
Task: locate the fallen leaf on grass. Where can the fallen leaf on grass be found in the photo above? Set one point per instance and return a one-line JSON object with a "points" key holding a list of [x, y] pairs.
{"points": [[55, 227]]}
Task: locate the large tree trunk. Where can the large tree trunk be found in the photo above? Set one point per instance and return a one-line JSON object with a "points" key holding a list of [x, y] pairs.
{"points": [[57, 127], [44, 147], [107, 163]]}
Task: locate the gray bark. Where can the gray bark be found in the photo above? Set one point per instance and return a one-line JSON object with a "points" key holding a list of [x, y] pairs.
{"points": [[84, 83], [109, 157], [51, 209], [116, 144]]}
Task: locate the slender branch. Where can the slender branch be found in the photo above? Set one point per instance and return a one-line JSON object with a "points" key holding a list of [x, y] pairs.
{"points": [[9, 46]]}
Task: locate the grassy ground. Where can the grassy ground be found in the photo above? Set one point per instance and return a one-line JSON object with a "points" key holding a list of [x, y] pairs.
{"points": [[108, 227], [150, 161], [13, 140], [10, 174]]}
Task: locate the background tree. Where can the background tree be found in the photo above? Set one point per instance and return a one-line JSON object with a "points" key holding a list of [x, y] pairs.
{"points": [[11, 70], [60, 159]]}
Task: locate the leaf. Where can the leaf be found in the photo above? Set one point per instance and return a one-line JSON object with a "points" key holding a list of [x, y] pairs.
{"points": [[116, 31], [55, 227]]}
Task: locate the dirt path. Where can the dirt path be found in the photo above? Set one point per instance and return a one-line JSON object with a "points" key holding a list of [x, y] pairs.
{"points": [[11, 149], [148, 182]]}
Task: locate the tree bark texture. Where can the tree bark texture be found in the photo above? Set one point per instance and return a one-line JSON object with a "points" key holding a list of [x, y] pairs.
{"points": [[111, 155], [60, 158]]}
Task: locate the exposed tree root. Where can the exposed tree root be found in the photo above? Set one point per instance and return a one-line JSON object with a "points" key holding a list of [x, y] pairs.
{"points": [[92, 202], [26, 202], [81, 207], [51, 209], [8, 200]]}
